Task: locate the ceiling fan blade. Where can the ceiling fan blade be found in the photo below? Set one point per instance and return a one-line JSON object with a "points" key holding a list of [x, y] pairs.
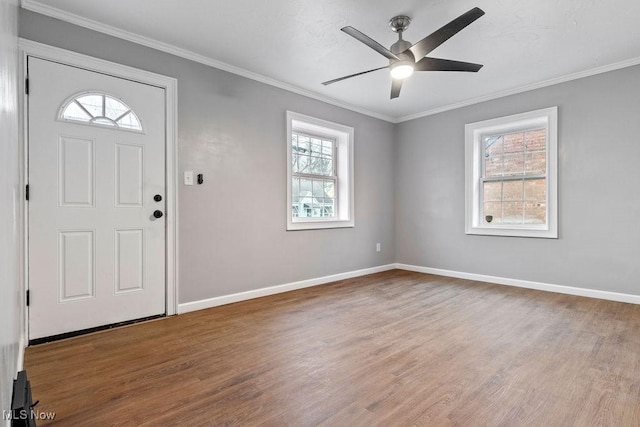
{"points": [[370, 42], [437, 64], [396, 85], [435, 39], [353, 75]]}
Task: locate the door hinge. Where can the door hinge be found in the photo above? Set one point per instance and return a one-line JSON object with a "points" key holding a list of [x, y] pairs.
{"points": [[26, 192], [26, 86], [27, 298]]}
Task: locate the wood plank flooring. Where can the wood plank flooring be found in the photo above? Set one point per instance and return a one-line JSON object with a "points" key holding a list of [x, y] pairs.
{"points": [[395, 348]]}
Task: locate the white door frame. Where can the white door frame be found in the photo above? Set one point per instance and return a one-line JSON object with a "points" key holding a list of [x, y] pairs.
{"points": [[170, 85]]}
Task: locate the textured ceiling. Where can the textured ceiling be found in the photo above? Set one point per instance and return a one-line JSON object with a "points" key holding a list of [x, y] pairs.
{"points": [[298, 42]]}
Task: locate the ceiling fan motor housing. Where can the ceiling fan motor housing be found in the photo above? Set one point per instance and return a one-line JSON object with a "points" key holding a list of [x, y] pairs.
{"points": [[401, 46]]}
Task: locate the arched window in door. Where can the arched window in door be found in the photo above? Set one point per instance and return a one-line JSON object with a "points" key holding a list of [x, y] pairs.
{"points": [[100, 109]]}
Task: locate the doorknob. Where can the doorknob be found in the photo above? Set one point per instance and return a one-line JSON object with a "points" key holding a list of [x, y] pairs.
{"points": [[157, 198], [157, 214]]}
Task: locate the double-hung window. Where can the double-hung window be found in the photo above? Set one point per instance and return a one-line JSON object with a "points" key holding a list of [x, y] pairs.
{"points": [[320, 174], [511, 175]]}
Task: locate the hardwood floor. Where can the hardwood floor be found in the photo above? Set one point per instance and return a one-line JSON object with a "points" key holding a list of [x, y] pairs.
{"points": [[395, 348]]}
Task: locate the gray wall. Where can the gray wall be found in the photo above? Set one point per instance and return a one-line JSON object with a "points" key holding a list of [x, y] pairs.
{"points": [[232, 228], [11, 313], [599, 196]]}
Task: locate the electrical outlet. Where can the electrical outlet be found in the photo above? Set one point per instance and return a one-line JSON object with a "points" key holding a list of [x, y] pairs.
{"points": [[377, 247], [188, 177]]}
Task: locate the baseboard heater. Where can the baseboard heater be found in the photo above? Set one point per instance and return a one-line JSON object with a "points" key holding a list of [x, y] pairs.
{"points": [[22, 413]]}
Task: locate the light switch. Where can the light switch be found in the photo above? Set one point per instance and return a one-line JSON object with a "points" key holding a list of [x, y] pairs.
{"points": [[188, 177]]}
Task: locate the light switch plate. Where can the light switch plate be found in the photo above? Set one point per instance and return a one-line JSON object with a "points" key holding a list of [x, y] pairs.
{"points": [[188, 177]]}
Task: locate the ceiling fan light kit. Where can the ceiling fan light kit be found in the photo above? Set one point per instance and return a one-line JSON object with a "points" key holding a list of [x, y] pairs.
{"points": [[400, 70], [405, 58]]}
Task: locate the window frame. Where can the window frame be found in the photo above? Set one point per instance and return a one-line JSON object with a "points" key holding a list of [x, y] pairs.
{"points": [[334, 173], [343, 137], [546, 118]]}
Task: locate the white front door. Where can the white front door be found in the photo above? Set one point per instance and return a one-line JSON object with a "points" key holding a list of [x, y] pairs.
{"points": [[96, 167]]}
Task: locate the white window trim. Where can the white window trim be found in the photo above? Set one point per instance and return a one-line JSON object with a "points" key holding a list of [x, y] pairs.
{"points": [[547, 118], [343, 135]]}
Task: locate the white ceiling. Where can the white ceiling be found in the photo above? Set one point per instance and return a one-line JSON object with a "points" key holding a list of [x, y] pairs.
{"points": [[522, 43]]}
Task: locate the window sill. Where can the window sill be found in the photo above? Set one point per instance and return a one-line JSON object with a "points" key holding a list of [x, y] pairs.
{"points": [[543, 233], [319, 224]]}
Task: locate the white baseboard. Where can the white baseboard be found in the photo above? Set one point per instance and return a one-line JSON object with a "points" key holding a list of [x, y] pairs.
{"points": [[21, 347], [271, 290], [561, 289], [257, 293]]}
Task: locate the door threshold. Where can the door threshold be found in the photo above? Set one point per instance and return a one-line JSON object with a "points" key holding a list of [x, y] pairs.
{"points": [[66, 335]]}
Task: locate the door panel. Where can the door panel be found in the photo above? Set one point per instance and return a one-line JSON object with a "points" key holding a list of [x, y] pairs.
{"points": [[96, 252], [75, 172]]}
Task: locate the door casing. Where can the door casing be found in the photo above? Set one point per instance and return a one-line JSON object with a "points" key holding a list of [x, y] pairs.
{"points": [[170, 85]]}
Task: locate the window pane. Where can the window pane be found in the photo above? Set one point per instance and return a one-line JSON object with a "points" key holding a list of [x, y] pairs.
{"points": [[294, 142], [535, 190], [535, 213], [327, 148], [492, 191], [512, 213], [103, 110], [295, 205], [328, 207], [493, 166], [493, 146], [303, 144], [536, 163], [329, 189], [513, 164], [536, 140], [315, 165], [316, 147], [302, 164], [312, 197], [74, 112], [93, 104], [514, 143], [492, 213], [318, 189], [512, 191], [295, 187], [305, 187], [114, 108], [327, 167]]}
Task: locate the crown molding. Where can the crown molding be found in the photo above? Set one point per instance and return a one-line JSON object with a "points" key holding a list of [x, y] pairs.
{"points": [[53, 12], [80, 21], [520, 89]]}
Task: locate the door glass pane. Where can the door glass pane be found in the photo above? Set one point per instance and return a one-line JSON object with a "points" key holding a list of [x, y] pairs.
{"points": [[75, 112], [93, 104], [130, 121], [114, 108]]}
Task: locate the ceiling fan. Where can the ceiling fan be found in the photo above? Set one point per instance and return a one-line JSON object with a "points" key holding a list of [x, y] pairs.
{"points": [[405, 58]]}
